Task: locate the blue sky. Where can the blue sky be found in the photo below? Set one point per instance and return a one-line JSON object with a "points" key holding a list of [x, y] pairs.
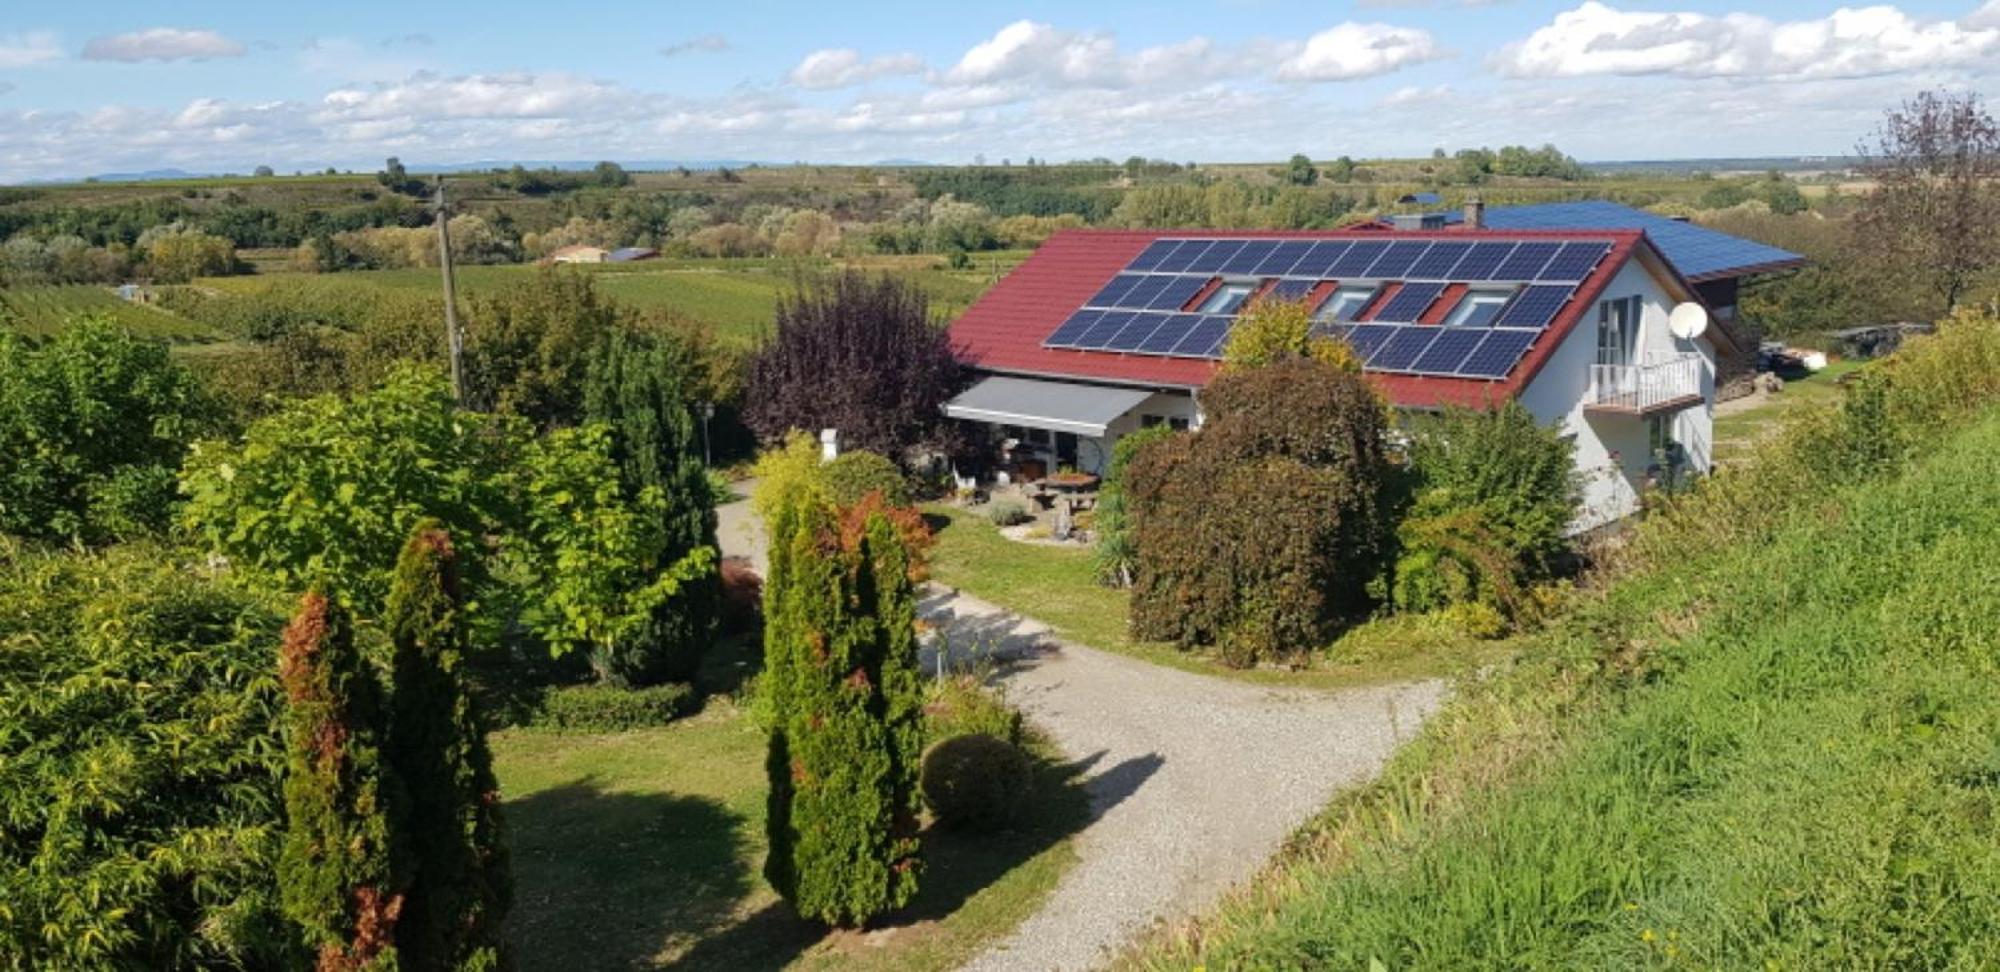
{"points": [[101, 86]]}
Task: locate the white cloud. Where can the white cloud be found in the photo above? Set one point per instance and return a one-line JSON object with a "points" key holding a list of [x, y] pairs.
{"points": [[1596, 39], [1351, 51], [705, 44], [1415, 95], [516, 95], [839, 67], [27, 50], [1032, 53], [342, 59], [161, 44]]}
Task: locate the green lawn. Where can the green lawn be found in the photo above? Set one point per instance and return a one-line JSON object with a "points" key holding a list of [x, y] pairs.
{"points": [[644, 850], [1737, 432], [1055, 585]]}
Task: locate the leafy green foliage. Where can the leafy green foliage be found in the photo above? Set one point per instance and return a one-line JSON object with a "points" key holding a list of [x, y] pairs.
{"points": [[961, 705], [461, 890], [852, 475], [610, 708], [1493, 493], [140, 764], [1260, 530], [1117, 549], [840, 672], [975, 781], [1271, 330], [341, 877], [91, 426], [528, 347]]}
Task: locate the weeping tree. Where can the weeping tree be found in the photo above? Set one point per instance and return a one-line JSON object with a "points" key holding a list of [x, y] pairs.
{"points": [[460, 890], [841, 666], [341, 880]]}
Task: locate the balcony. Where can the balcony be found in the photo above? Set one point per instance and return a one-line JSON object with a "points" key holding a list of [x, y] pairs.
{"points": [[1663, 383]]}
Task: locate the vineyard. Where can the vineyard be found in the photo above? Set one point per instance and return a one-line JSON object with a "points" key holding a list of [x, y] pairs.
{"points": [[41, 311]]}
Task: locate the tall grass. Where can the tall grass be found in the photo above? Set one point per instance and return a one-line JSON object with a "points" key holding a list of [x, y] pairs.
{"points": [[1772, 742]]}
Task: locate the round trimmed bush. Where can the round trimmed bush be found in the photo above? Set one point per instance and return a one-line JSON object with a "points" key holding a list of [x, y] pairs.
{"points": [[975, 781], [851, 476]]}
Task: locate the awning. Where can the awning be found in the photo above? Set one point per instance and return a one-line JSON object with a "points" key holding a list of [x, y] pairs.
{"points": [[1054, 405]]}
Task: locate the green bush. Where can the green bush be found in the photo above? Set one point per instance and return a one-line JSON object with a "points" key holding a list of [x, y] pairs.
{"points": [[1006, 513], [1117, 551], [962, 705], [609, 708], [851, 476], [141, 760], [976, 781]]}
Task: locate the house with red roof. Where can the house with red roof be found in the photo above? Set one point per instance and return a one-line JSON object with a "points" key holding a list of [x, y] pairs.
{"points": [[1103, 332]]}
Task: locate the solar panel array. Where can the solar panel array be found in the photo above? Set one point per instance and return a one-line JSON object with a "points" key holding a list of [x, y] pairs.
{"points": [[1147, 307]]}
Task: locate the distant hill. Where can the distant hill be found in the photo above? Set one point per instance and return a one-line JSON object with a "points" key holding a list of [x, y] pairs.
{"points": [[1682, 167]]}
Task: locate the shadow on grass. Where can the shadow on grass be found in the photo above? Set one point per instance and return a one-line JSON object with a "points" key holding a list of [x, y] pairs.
{"points": [[609, 880], [957, 866]]}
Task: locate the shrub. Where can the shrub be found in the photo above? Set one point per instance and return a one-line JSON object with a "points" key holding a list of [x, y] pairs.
{"points": [[975, 781], [1273, 330], [1262, 529], [92, 425], [141, 740], [609, 708], [851, 476], [1117, 551], [962, 705], [1006, 513]]}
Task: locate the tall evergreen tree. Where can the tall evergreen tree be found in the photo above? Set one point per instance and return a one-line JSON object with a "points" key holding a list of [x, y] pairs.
{"points": [[840, 653], [638, 384], [461, 889], [338, 869]]}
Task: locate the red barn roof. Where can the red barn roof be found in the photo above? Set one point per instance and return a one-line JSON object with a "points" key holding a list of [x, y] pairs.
{"points": [[1003, 331]]}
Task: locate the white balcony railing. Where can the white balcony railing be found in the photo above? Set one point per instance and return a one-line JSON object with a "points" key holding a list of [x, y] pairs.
{"points": [[1662, 381]]}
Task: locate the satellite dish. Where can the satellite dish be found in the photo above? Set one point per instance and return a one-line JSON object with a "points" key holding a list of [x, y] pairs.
{"points": [[1688, 321]]}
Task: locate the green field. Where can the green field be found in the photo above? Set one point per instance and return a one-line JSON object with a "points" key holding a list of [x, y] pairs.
{"points": [[41, 311]]}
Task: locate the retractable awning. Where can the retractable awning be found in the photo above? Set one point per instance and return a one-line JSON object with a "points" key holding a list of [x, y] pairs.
{"points": [[1085, 410]]}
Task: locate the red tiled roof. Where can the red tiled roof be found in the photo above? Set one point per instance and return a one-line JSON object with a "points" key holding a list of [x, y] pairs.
{"points": [[1003, 331]]}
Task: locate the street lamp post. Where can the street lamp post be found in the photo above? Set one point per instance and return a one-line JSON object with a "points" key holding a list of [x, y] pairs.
{"points": [[707, 412]]}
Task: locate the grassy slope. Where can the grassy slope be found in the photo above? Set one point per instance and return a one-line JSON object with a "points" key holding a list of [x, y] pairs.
{"points": [[1056, 585], [645, 848], [42, 310], [1788, 756]]}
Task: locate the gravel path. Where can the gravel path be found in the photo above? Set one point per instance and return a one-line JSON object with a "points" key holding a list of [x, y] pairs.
{"points": [[1195, 781]]}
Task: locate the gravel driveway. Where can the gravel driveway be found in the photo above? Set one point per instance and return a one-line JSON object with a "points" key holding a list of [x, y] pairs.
{"points": [[1195, 781]]}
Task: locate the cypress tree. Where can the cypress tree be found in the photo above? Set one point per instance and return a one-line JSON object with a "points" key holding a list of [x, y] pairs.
{"points": [[639, 384], [841, 659], [460, 890], [337, 870]]}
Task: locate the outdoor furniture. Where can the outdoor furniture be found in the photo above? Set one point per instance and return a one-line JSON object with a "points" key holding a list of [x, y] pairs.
{"points": [[1031, 469]]}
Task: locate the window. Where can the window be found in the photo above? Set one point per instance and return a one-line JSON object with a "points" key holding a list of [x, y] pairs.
{"points": [[1346, 303], [1148, 421], [1226, 299], [1617, 330], [1478, 308], [1039, 437], [1178, 424]]}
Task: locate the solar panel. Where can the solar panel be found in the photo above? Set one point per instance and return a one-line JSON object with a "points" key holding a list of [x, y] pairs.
{"points": [[1526, 261], [1212, 259], [1154, 253], [1496, 355], [1450, 350], [1079, 322], [1142, 293], [1134, 334], [1485, 258], [1183, 257], [1282, 258], [1409, 303], [1436, 263], [1205, 339], [1177, 292], [1117, 288], [1534, 306], [1107, 326], [1396, 259], [1403, 348], [1574, 262], [1319, 261], [1169, 333], [1368, 338], [1356, 259], [1247, 259]]}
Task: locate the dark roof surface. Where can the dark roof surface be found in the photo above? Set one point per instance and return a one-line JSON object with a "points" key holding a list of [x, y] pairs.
{"points": [[1698, 252], [1004, 330]]}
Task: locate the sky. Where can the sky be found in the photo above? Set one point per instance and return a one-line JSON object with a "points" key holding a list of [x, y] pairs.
{"points": [[207, 86]]}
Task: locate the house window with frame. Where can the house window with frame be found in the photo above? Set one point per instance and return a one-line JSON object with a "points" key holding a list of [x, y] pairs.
{"points": [[1478, 308], [1227, 298], [1617, 331], [1346, 303]]}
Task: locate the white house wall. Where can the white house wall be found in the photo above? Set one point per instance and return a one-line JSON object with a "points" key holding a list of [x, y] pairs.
{"points": [[1612, 451]]}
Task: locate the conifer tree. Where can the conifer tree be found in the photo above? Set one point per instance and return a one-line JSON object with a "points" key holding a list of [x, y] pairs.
{"points": [[638, 384], [840, 654], [460, 888], [338, 870]]}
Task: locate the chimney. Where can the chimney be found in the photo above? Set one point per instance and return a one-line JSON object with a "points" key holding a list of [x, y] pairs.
{"points": [[1475, 214]]}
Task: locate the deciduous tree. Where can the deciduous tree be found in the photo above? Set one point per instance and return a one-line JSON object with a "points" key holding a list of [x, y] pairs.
{"points": [[1934, 213]]}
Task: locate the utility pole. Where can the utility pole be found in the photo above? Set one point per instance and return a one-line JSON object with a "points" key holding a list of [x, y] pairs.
{"points": [[454, 341]]}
